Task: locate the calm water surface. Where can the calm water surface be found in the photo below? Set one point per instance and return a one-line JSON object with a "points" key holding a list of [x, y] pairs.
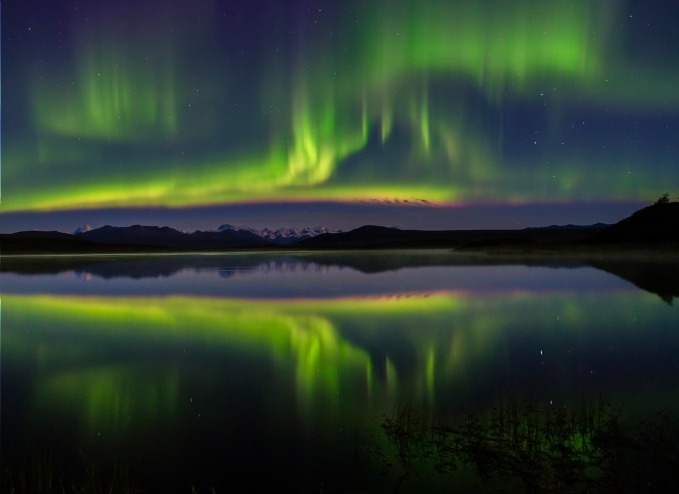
{"points": [[234, 372]]}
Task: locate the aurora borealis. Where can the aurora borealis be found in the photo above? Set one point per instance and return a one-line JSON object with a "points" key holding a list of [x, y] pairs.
{"points": [[182, 104]]}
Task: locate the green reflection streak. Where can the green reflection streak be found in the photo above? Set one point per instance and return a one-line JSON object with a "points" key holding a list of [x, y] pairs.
{"points": [[113, 360], [112, 399], [303, 346]]}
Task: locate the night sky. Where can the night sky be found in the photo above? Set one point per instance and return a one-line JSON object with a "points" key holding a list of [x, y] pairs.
{"points": [[418, 114]]}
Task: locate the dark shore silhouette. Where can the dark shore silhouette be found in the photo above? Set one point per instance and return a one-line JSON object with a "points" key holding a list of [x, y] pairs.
{"points": [[652, 229]]}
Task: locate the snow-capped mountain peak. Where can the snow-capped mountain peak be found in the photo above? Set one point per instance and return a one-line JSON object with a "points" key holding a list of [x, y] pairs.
{"points": [[82, 229], [237, 228], [280, 235]]}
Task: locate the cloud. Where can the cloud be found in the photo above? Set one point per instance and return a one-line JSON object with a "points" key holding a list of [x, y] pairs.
{"points": [[395, 202]]}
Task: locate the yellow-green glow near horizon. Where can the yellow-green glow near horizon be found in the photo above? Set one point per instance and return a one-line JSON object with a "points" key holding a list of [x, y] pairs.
{"points": [[410, 100]]}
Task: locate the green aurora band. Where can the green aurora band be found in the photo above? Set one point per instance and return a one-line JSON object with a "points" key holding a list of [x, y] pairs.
{"points": [[380, 100]]}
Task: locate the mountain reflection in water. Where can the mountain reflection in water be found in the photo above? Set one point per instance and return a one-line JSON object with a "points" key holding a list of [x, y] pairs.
{"points": [[282, 372], [400, 271]]}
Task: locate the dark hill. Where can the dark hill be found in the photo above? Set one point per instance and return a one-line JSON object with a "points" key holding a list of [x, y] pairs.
{"points": [[375, 237], [38, 235], [365, 236], [170, 238], [136, 234], [654, 224], [51, 242], [137, 238]]}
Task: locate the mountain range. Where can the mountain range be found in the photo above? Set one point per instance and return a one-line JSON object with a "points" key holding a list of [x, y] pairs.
{"points": [[149, 238], [368, 236], [281, 236], [654, 225], [238, 234]]}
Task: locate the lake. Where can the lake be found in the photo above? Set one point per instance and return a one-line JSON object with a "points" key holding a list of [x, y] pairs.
{"points": [[337, 372]]}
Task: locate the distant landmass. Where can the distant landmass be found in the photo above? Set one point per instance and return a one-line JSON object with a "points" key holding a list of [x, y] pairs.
{"points": [[654, 226]]}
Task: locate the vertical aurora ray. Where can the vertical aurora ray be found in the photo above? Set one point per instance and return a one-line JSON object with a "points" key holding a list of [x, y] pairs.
{"points": [[328, 117], [123, 81]]}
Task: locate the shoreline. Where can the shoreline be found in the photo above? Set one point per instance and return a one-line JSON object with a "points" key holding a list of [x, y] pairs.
{"points": [[666, 251]]}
